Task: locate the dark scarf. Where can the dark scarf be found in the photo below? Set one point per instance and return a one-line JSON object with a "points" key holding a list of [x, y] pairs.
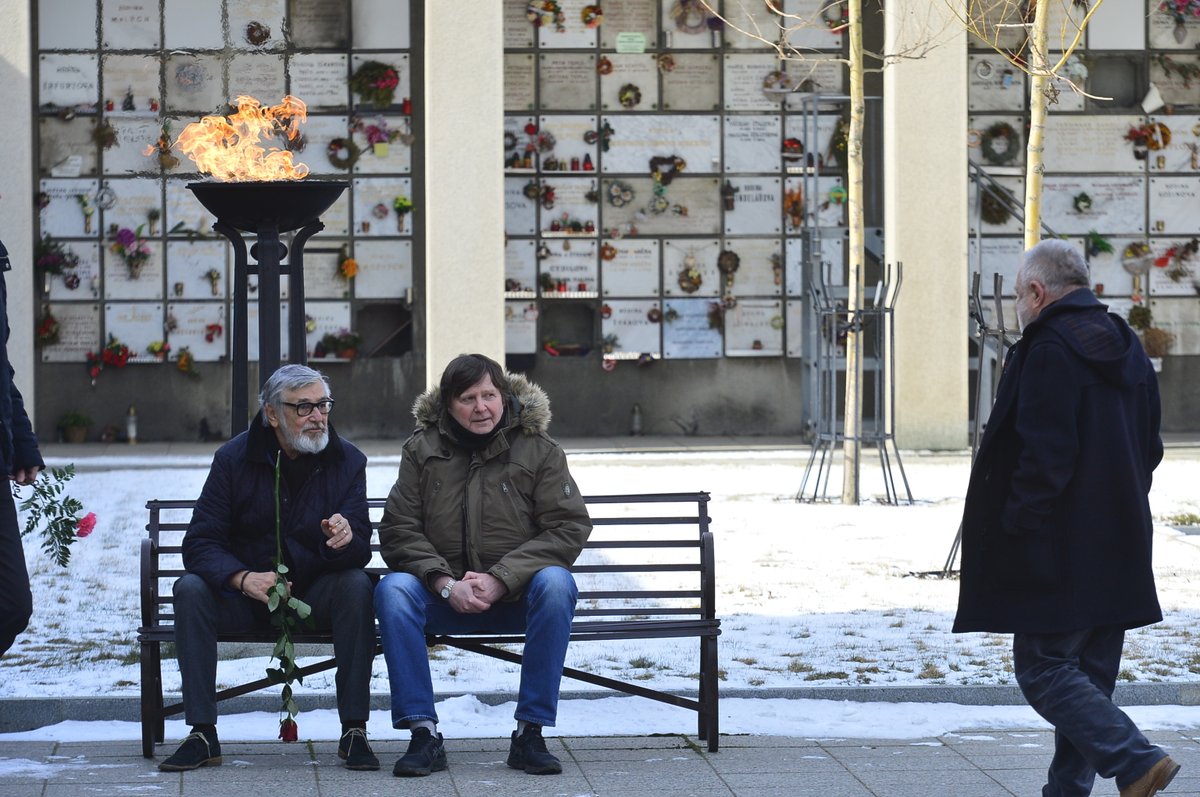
{"points": [[470, 440]]}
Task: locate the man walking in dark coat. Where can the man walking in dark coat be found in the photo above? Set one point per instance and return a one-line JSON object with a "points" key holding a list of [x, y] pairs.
{"points": [[1057, 528]]}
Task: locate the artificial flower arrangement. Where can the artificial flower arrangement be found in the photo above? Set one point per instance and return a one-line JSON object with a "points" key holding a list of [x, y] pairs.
{"points": [[48, 329], [186, 363], [87, 209], [347, 267], [59, 513], [378, 135], [375, 82], [343, 343], [53, 257], [115, 354], [214, 279], [403, 206], [1181, 10], [159, 349], [132, 248]]}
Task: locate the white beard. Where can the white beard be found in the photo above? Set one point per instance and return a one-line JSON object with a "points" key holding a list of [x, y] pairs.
{"points": [[305, 443]]}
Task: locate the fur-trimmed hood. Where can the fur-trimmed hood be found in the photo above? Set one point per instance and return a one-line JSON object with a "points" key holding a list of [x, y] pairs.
{"points": [[528, 407]]}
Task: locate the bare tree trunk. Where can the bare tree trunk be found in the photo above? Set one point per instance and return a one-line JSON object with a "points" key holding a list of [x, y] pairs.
{"points": [[852, 428], [1038, 83]]}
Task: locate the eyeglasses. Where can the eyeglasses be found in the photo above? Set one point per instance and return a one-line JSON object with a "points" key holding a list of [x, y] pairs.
{"points": [[305, 408]]}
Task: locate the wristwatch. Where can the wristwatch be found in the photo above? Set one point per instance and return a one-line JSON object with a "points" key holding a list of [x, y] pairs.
{"points": [[447, 588]]}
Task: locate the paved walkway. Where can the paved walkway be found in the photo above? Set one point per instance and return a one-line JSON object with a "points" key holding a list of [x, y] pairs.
{"points": [[981, 763]]}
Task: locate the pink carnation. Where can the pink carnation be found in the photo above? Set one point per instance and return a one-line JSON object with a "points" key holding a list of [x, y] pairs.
{"points": [[86, 524]]}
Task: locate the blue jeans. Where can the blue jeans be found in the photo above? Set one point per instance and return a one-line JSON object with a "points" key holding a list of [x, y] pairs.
{"points": [[1069, 680], [407, 610]]}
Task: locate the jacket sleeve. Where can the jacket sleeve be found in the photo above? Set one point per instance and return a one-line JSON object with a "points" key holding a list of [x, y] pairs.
{"points": [[206, 545], [1046, 413], [25, 445], [402, 539], [562, 526], [352, 504]]}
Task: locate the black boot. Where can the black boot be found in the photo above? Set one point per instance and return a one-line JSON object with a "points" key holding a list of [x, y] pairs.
{"points": [[199, 749], [528, 752]]}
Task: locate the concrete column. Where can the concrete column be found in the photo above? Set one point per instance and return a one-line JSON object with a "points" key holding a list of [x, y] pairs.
{"points": [[16, 191], [925, 208], [464, 185]]}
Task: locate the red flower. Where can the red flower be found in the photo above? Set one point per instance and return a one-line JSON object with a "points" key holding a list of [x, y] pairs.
{"points": [[86, 524], [288, 730]]}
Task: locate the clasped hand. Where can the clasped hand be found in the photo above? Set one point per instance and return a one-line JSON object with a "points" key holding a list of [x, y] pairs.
{"points": [[476, 592]]}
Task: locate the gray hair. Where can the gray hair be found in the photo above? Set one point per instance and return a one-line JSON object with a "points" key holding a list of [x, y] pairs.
{"points": [[1056, 264], [288, 377]]}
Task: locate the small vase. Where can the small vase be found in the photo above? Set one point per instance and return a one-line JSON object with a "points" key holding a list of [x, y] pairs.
{"points": [[75, 434], [1180, 33], [347, 354], [380, 149], [135, 270], [400, 217]]}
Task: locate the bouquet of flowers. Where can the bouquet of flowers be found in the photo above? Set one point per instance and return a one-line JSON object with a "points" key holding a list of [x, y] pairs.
{"points": [[159, 349], [1181, 10], [60, 515], [132, 248], [48, 329], [52, 257], [375, 82], [347, 266], [186, 363]]}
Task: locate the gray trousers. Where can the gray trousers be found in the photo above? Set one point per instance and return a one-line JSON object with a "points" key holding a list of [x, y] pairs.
{"points": [[341, 601]]}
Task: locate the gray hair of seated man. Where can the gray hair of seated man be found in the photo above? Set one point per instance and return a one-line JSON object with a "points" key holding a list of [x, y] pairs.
{"points": [[288, 377]]}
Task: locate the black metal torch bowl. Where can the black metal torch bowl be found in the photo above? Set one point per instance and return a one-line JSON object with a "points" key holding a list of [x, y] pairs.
{"points": [[285, 205]]}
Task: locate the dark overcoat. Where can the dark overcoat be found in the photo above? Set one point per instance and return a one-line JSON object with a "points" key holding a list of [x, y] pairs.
{"points": [[18, 444], [233, 525], [1056, 526]]}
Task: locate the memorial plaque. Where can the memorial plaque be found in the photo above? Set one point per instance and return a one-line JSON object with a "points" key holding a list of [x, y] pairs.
{"points": [[119, 283], [630, 325], [1016, 187], [520, 327], [135, 201], [373, 212], [689, 268], [752, 143], [131, 84], [570, 30], [194, 84], [692, 208], [568, 81], [129, 24], [752, 82], [519, 77], [1173, 205], [398, 62], [571, 208], [394, 157], [319, 132], [1163, 29], [637, 139], [997, 26], [1182, 154], [189, 328], [520, 267], [520, 212], [185, 215], [1108, 277], [252, 325], [1117, 204], [797, 127], [319, 79], [67, 81], [1174, 76], [63, 217], [754, 26], [754, 328], [808, 29], [78, 333], [627, 16], [823, 74], [193, 24], [687, 333], [322, 279], [385, 269], [629, 267], [1069, 100], [137, 325], [831, 202], [1172, 275], [1000, 146], [632, 85], [62, 27], [690, 81], [258, 75], [128, 155], [1088, 143], [1117, 26], [518, 30], [1181, 318], [1001, 256], [571, 152], [755, 207], [257, 24], [67, 148], [687, 26], [319, 24], [994, 84], [336, 219], [88, 272], [760, 267], [198, 270], [794, 316], [571, 263]]}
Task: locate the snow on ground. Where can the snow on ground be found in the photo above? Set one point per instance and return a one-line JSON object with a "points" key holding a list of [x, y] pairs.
{"points": [[809, 594]]}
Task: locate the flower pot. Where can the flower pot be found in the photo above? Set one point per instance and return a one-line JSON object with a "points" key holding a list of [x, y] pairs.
{"points": [[75, 434], [347, 354]]}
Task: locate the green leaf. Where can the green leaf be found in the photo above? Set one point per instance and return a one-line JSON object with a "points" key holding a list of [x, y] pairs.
{"points": [[281, 569], [302, 609], [272, 601]]}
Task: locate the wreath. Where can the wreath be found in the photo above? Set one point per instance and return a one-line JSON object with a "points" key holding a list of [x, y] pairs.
{"points": [[629, 96], [1082, 202], [510, 140], [999, 132], [836, 15], [777, 81], [343, 153], [375, 82], [620, 194], [690, 16], [992, 210], [604, 66], [728, 262], [690, 279], [607, 251], [666, 62], [592, 15], [664, 168], [1152, 136]]}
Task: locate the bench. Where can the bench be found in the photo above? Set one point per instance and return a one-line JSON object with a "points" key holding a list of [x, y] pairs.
{"points": [[647, 572]]}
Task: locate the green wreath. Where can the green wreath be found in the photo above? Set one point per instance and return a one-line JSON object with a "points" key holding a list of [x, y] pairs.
{"points": [[376, 83], [340, 161], [992, 210], [1000, 130]]}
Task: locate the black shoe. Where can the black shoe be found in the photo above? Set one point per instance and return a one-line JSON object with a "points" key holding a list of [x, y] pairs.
{"points": [[528, 752], [356, 750], [198, 750], [425, 754]]}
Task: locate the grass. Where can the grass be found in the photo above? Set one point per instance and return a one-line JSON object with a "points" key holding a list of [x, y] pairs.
{"points": [[930, 671], [798, 666], [827, 676], [1182, 519], [641, 663]]}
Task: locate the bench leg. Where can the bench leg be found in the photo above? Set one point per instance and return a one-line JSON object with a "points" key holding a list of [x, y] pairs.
{"points": [[708, 718], [153, 726]]}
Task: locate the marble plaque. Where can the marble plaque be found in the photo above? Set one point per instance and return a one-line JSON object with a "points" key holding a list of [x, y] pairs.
{"points": [[319, 24], [632, 85], [1183, 153], [689, 268], [256, 24], [806, 27], [395, 157], [321, 277], [687, 27], [568, 81], [66, 148], [67, 81], [752, 144], [830, 202], [520, 266], [1001, 256], [637, 139], [633, 269], [319, 79], [185, 215], [1172, 275], [686, 330], [190, 321], [1180, 317], [754, 328], [830, 267], [520, 212], [194, 84], [1082, 143], [993, 84], [519, 76], [570, 30], [259, 75], [1118, 204], [979, 125], [131, 84], [760, 267], [128, 155], [1016, 187], [63, 217], [373, 213], [137, 325], [520, 327], [756, 206], [88, 272], [1108, 277], [629, 321], [78, 333], [337, 219], [745, 77], [1176, 89], [384, 269], [995, 26], [798, 127], [690, 81], [793, 313], [627, 16], [399, 62], [189, 267], [753, 26], [1117, 26], [570, 206], [319, 132], [571, 152], [252, 325], [1163, 30], [692, 208], [572, 262], [62, 27], [193, 24], [1173, 205], [135, 201], [129, 24], [119, 284], [518, 31], [820, 74]]}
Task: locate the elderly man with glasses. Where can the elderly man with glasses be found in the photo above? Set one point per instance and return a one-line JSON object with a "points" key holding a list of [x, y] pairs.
{"points": [[230, 547]]}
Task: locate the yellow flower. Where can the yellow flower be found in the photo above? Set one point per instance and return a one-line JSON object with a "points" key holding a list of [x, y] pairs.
{"points": [[347, 267]]}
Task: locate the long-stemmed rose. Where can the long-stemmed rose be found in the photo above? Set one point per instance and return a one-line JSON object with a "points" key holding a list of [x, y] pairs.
{"points": [[59, 513]]}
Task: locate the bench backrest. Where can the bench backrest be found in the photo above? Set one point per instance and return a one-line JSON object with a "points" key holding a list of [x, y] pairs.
{"points": [[649, 555]]}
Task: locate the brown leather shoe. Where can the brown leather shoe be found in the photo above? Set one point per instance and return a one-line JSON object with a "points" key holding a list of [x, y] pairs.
{"points": [[1155, 780]]}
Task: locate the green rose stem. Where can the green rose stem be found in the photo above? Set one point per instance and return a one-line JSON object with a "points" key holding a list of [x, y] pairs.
{"points": [[278, 603]]}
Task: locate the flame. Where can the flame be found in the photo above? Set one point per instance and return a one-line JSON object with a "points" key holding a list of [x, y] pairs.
{"points": [[238, 148]]}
